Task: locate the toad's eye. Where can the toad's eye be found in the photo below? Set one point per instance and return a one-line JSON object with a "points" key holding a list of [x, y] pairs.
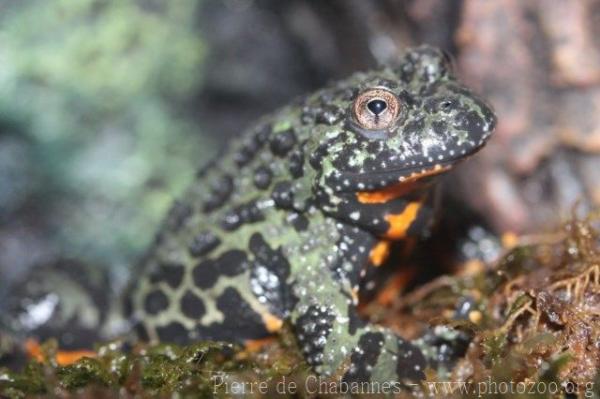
{"points": [[376, 109]]}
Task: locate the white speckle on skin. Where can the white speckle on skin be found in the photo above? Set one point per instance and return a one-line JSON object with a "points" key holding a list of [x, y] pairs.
{"points": [[40, 312]]}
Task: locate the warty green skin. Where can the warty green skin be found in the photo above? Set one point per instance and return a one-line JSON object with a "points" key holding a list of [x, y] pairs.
{"points": [[273, 231]]}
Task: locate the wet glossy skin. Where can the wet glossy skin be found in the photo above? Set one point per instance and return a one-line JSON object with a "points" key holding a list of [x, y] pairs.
{"points": [[285, 223]]}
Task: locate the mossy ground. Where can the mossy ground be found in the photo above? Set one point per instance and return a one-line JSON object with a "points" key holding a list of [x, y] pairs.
{"points": [[534, 319]]}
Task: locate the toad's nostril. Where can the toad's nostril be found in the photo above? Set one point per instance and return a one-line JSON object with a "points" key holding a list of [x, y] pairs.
{"points": [[446, 104]]}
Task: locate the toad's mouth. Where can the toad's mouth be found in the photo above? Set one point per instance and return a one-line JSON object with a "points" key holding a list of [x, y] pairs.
{"points": [[392, 182], [406, 184]]}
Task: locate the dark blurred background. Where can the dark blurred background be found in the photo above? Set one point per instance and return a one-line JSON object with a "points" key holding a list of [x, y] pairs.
{"points": [[107, 108]]}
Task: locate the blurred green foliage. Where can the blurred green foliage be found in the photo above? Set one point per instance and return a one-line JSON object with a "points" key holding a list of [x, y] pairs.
{"points": [[101, 93]]}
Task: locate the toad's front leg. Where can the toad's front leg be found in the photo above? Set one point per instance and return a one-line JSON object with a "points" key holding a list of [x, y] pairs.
{"points": [[325, 270]]}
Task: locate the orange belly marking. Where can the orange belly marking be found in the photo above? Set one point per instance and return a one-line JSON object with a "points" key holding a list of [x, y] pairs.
{"points": [[379, 253], [255, 345], [400, 223], [63, 358], [272, 323]]}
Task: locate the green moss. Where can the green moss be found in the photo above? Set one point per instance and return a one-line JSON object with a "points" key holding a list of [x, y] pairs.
{"points": [[85, 372], [163, 368], [159, 370], [31, 381], [494, 345]]}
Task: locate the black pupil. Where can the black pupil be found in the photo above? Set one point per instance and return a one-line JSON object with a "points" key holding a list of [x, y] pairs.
{"points": [[376, 106]]}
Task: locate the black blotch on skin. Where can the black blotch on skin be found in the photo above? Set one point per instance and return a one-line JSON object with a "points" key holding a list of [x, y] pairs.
{"points": [[342, 162], [246, 153], [296, 163], [321, 198], [447, 350], [440, 127], [230, 263], [231, 221], [364, 357], [329, 115], [173, 332], [407, 99], [242, 214], [240, 322], [252, 147], [414, 127], [353, 254], [170, 273], [355, 321], [272, 259], [279, 298], [192, 306], [205, 274], [282, 143], [262, 135], [316, 157], [374, 147], [372, 215], [177, 215], [299, 221], [262, 177], [283, 195], [308, 115], [471, 122], [221, 190], [203, 243], [311, 327], [410, 357], [373, 164], [155, 302], [370, 220]]}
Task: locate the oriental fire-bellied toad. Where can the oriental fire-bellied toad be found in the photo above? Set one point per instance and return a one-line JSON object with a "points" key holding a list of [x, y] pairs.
{"points": [[287, 222]]}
